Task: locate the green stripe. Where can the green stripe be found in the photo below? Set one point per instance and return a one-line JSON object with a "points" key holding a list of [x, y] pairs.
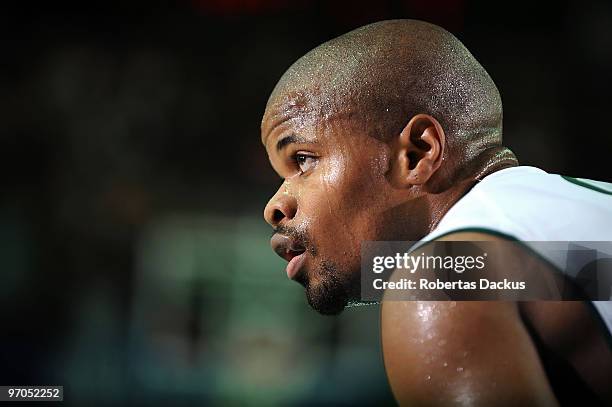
{"points": [[585, 184]]}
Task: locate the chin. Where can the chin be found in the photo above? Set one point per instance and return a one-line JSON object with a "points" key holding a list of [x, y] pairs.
{"points": [[326, 305], [331, 292]]}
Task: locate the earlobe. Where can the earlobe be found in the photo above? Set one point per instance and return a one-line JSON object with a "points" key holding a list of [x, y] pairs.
{"points": [[418, 151]]}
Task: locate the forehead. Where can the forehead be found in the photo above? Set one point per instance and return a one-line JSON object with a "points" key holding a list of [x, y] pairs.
{"points": [[297, 111], [310, 112]]}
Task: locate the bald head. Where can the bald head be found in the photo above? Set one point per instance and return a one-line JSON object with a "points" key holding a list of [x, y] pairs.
{"points": [[383, 74]]}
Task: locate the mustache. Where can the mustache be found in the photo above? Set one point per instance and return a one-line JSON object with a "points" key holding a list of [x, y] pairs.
{"points": [[299, 236]]}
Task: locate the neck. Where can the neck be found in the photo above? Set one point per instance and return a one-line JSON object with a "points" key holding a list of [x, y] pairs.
{"points": [[493, 160], [490, 161]]}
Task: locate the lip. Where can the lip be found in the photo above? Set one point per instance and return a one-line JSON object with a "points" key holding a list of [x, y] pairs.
{"points": [[294, 265], [290, 250]]}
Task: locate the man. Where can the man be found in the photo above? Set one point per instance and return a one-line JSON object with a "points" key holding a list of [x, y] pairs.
{"points": [[392, 132]]}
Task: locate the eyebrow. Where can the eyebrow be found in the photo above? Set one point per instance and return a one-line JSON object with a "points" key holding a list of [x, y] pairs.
{"points": [[292, 138]]}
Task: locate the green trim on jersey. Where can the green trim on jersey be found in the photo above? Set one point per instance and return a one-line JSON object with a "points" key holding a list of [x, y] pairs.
{"points": [[586, 184]]}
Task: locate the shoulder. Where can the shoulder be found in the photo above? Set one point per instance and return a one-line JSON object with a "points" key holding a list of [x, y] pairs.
{"points": [[436, 353]]}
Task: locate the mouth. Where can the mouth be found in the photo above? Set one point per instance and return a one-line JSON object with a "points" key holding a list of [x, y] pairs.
{"points": [[290, 250]]}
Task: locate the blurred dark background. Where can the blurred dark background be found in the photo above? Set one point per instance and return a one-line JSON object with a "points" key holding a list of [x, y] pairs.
{"points": [[135, 262]]}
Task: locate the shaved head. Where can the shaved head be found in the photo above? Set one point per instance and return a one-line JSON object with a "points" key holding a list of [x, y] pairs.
{"points": [[383, 74]]}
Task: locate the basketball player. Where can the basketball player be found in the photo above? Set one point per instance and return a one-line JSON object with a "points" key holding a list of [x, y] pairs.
{"points": [[393, 132]]}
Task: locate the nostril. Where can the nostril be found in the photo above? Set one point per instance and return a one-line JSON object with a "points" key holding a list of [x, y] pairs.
{"points": [[277, 216]]}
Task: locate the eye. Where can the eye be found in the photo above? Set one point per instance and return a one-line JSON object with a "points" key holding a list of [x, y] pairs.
{"points": [[305, 162]]}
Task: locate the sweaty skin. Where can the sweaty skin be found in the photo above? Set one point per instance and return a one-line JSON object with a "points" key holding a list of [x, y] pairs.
{"points": [[375, 135], [488, 353]]}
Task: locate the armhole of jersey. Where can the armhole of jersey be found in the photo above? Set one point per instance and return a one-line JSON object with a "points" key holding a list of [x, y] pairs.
{"points": [[594, 311], [505, 236], [476, 229]]}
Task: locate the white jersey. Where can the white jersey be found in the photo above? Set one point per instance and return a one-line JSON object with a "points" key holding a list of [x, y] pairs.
{"points": [[528, 204]]}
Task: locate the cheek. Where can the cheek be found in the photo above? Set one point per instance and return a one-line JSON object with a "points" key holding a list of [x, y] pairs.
{"points": [[344, 202], [334, 189], [321, 202], [332, 173]]}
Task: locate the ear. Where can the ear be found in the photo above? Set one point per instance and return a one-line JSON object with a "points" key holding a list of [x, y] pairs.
{"points": [[417, 152]]}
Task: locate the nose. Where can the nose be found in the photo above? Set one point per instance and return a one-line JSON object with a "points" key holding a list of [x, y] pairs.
{"points": [[281, 207]]}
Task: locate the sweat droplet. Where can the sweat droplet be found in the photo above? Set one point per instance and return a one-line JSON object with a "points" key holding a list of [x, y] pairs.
{"points": [[460, 369], [442, 342], [445, 364], [428, 377]]}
